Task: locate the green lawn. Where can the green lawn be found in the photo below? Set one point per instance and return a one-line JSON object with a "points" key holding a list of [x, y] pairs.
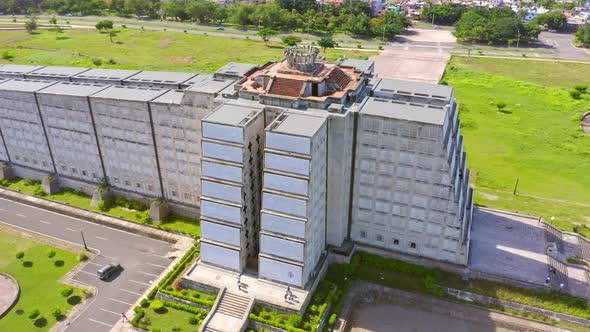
{"points": [[142, 49], [168, 319], [76, 198], [38, 276], [537, 138]]}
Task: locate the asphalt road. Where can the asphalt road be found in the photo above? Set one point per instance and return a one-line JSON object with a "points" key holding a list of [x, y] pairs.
{"points": [[143, 260]]}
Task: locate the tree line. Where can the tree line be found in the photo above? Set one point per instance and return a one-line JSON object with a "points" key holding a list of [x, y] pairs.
{"points": [[352, 17]]}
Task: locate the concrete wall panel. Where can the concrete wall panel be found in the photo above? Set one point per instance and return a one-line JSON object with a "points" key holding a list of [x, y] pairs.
{"points": [[224, 133], [223, 152], [280, 271], [282, 225], [281, 247], [220, 211], [220, 256], [220, 233], [222, 191], [286, 164], [284, 204], [223, 172], [288, 143], [286, 183]]}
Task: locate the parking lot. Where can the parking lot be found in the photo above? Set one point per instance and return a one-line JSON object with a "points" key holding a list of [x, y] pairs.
{"points": [[118, 293]]}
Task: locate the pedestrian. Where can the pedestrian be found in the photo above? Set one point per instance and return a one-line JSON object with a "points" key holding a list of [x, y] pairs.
{"points": [[286, 294], [124, 318], [561, 286], [547, 280], [290, 295], [239, 281]]}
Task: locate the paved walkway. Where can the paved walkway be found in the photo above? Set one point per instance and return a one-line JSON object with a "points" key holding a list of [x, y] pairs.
{"points": [[261, 290], [9, 291]]}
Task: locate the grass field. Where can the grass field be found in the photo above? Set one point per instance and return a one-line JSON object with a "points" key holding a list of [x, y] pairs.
{"points": [[169, 319], [142, 49], [38, 276], [536, 139]]}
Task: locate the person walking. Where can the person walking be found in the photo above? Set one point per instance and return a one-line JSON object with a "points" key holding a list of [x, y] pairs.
{"points": [[239, 282]]}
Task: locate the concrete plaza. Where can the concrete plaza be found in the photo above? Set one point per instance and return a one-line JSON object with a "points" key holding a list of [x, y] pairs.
{"points": [[261, 290], [508, 245]]}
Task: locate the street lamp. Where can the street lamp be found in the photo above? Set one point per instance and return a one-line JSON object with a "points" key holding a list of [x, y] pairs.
{"points": [[83, 240]]}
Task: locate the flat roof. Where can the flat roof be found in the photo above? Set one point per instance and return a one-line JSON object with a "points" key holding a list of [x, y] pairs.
{"points": [[404, 111], [170, 97], [129, 93], [18, 69], [25, 85], [236, 68], [362, 65], [74, 89], [56, 71], [233, 115], [207, 83], [161, 77], [297, 124], [107, 74], [415, 88]]}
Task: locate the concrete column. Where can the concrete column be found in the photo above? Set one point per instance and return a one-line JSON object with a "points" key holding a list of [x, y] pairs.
{"points": [[158, 210], [6, 171], [50, 184], [100, 194]]}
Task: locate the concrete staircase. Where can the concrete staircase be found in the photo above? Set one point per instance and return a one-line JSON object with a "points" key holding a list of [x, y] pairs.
{"points": [[229, 313]]}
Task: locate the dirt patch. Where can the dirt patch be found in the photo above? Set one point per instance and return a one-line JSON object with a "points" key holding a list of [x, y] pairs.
{"points": [[586, 123], [180, 59], [165, 42], [489, 196]]}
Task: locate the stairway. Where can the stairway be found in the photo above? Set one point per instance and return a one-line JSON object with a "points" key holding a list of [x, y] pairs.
{"points": [[230, 314], [233, 305]]}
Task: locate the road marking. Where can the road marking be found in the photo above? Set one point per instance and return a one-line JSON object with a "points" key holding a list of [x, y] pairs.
{"points": [[111, 312], [100, 237], [71, 229], [128, 291], [94, 263], [92, 274], [139, 282], [156, 265], [99, 322], [1, 209], [160, 256], [21, 215], [149, 274], [45, 222], [120, 301]]}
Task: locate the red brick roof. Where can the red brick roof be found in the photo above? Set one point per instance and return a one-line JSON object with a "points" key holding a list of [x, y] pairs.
{"points": [[286, 87]]}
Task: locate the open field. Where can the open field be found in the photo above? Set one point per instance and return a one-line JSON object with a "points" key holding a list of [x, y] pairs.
{"points": [[536, 138], [38, 277], [143, 49]]}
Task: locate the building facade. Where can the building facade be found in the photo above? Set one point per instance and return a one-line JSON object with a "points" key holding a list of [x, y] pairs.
{"points": [[279, 161]]}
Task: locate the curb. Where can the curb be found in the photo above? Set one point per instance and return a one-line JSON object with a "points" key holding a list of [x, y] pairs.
{"points": [[2, 314], [90, 216]]}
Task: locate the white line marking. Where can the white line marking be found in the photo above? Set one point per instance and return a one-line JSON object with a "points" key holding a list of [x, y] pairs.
{"points": [[99, 322], [21, 215], [93, 263], [156, 265], [45, 222], [1, 209], [111, 312], [149, 274], [128, 291], [102, 238], [139, 282], [71, 229], [160, 256], [92, 274], [120, 301]]}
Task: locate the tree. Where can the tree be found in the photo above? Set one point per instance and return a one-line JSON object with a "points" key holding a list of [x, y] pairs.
{"points": [[53, 21], [553, 19], [326, 42], [111, 35], [445, 14], [291, 40], [357, 25], [583, 35], [500, 105], [201, 10], [175, 9], [31, 25], [266, 34], [104, 25]]}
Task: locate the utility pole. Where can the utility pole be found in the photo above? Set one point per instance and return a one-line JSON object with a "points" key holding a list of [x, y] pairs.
{"points": [[83, 240], [515, 186], [432, 19], [518, 40]]}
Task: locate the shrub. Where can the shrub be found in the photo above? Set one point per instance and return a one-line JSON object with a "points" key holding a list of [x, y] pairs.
{"points": [[97, 62], [34, 313], [144, 303], [193, 320], [4, 183], [7, 55], [50, 253], [581, 88], [87, 294], [57, 313], [20, 254], [332, 319], [157, 305], [112, 62], [38, 191], [66, 291], [380, 47], [575, 94], [28, 182], [175, 327], [102, 205], [124, 26], [82, 257], [359, 46]]}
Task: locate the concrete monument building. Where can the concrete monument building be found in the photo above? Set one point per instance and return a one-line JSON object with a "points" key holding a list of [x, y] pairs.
{"points": [[279, 161]]}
